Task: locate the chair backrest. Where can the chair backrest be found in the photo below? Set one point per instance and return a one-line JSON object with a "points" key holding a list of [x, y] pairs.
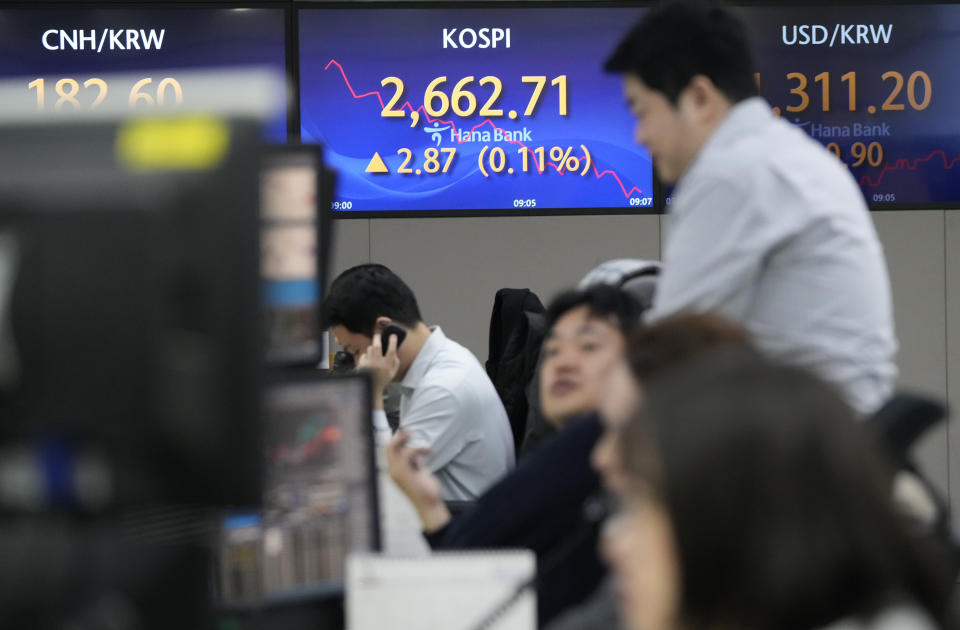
{"points": [[899, 424], [903, 419], [516, 331]]}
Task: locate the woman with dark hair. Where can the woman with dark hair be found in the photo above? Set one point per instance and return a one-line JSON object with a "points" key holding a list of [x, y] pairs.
{"points": [[754, 501]]}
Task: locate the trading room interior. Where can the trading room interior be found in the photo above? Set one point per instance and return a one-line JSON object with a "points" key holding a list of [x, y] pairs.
{"points": [[506, 314]]}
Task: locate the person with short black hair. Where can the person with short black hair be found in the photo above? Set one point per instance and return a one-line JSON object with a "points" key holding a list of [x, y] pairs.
{"points": [[753, 500], [449, 409], [767, 227]]}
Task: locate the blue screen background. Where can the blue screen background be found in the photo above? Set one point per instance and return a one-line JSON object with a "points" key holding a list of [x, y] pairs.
{"points": [[921, 148], [195, 38], [345, 53]]}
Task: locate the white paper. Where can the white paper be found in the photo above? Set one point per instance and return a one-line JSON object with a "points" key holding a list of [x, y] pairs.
{"points": [[443, 591]]}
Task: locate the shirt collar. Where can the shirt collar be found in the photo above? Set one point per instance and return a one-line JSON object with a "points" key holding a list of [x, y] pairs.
{"points": [[423, 359], [742, 119]]}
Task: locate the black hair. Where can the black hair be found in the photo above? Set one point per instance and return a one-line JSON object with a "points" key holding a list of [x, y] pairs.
{"points": [[681, 40], [780, 502], [677, 339], [602, 301], [363, 293]]}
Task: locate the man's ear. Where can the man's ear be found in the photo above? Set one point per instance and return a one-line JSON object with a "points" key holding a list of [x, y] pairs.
{"points": [[380, 324], [702, 96]]}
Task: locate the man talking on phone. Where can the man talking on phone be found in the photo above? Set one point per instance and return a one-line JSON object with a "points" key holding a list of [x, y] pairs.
{"points": [[448, 405]]}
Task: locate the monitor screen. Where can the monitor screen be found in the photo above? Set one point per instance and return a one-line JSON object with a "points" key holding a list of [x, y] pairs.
{"points": [[62, 54], [453, 111], [294, 236], [876, 85], [321, 493], [131, 333]]}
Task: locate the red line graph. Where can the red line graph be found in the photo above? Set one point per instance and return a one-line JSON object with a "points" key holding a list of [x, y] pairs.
{"points": [[905, 164], [406, 105]]}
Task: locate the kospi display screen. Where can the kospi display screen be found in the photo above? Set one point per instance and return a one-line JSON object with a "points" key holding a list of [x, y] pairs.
{"points": [[471, 110], [63, 54], [877, 85]]}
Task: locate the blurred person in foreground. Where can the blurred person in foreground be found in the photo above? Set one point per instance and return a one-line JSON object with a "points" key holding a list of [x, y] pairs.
{"points": [[767, 227], [651, 350], [541, 504], [753, 501]]}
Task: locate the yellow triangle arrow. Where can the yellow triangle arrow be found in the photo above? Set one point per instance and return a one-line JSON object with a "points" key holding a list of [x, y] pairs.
{"points": [[376, 165]]}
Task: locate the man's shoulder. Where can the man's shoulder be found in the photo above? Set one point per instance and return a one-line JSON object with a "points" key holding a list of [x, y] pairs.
{"points": [[452, 356], [777, 158], [755, 149], [454, 368]]}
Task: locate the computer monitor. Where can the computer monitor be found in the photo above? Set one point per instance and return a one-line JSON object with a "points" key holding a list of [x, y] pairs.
{"points": [[134, 312], [320, 501], [66, 52], [295, 246], [460, 109]]}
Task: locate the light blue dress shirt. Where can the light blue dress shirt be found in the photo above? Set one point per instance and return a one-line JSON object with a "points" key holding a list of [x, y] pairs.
{"points": [[449, 405], [770, 230]]}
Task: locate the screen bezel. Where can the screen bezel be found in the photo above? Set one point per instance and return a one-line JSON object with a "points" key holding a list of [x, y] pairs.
{"points": [[323, 225], [330, 589], [658, 206], [290, 41], [874, 206], [280, 378], [659, 190]]}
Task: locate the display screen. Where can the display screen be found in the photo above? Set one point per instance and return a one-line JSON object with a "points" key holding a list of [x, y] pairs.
{"points": [[877, 85], [64, 55], [289, 265], [321, 493], [320, 475], [500, 110]]}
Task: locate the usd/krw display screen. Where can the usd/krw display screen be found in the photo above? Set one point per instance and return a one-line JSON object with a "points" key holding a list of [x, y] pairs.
{"points": [[877, 85], [63, 54], [450, 110]]}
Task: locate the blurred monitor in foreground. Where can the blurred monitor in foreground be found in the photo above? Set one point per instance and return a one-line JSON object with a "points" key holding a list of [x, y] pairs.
{"points": [[132, 350], [296, 191], [321, 493]]}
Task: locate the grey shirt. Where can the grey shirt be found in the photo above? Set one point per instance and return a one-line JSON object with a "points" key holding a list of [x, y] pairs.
{"points": [[770, 230], [449, 406]]}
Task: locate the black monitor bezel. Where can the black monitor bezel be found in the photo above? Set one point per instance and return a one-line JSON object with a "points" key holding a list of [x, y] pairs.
{"points": [[330, 589], [324, 240], [656, 209], [286, 377]]}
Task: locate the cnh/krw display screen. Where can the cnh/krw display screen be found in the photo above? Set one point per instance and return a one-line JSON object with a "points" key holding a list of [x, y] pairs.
{"points": [[64, 55], [877, 85], [501, 109]]}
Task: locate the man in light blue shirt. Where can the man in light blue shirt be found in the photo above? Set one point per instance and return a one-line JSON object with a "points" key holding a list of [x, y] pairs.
{"points": [[767, 227], [448, 404]]}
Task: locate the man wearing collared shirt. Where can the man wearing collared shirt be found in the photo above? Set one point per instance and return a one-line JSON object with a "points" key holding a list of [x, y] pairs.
{"points": [[766, 227], [448, 405]]}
